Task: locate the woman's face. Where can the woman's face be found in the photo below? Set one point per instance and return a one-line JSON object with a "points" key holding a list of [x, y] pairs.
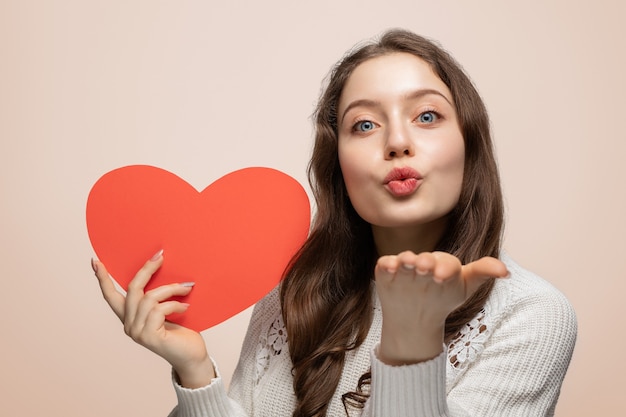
{"points": [[400, 147]]}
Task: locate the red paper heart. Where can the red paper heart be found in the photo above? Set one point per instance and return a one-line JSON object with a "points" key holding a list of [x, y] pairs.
{"points": [[233, 239]]}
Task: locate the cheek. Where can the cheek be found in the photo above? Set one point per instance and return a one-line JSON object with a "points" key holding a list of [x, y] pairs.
{"points": [[351, 164], [445, 161], [356, 177], [351, 174], [451, 163]]}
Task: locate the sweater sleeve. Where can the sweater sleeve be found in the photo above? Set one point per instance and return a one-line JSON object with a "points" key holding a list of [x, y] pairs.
{"points": [[519, 372], [409, 390], [210, 400]]}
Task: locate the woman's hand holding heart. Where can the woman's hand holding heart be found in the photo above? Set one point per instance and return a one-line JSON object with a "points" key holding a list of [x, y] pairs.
{"points": [[143, 315]]}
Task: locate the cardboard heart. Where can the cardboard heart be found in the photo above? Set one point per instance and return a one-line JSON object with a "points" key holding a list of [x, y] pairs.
{"points": [[233, 239]]}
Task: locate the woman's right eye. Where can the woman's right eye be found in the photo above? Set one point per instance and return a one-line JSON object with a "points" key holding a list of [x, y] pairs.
{"points": [[364, 126]]}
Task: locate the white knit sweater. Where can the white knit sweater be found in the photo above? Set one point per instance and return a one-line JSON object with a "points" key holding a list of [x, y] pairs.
{"points": [[510, 360]]}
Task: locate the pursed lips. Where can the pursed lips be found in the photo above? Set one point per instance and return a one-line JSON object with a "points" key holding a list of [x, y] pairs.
{"points": [[402, 181], [401, 174]]}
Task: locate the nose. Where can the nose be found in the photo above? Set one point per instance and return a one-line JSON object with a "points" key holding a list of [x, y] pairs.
{"points": [[398, 142]]}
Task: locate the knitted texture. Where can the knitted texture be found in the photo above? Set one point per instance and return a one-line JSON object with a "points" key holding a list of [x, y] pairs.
{"points": [[510, 360]]}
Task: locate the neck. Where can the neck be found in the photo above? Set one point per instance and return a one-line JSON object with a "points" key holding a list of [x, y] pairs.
{"points": [[422, 238]]}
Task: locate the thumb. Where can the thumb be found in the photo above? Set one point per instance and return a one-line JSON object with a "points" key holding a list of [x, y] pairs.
{"points": [[111, 295], [478, 272]]}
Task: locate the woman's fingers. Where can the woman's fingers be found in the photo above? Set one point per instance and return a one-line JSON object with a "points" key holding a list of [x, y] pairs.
{"points": [[154, 300], [406, 264], [115, 300], [153, 326], [134, 308], [396, 271], [448, 267], [156, 318], [438, 267], [141, 279], [137, 285], [386, 267]]}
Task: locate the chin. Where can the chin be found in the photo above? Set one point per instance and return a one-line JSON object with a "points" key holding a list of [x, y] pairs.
{"points": [[422, 223]]}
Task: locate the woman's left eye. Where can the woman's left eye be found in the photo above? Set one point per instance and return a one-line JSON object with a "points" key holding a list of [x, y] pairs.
{"points": [[428, 117], [364, 126]]}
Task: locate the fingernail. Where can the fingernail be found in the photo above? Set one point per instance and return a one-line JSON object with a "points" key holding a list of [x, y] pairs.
{"points": [[157, 256], [187, 284], [421, 271], [94, 265], [408, 266], [185, 305]]}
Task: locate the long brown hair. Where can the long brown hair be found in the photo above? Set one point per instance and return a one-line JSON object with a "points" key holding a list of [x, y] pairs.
{"points": [[326, 295]]}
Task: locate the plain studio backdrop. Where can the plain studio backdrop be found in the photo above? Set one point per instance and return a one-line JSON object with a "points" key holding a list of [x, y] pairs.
{"points": [[204, 88]]}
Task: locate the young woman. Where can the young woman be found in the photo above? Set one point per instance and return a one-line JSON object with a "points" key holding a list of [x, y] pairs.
{"points": [[400, 302]]}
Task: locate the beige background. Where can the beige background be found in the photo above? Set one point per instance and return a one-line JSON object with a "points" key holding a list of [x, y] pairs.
{"points": [[203, 88]]}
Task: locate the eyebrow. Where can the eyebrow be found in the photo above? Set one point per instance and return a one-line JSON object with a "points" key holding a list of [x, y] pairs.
{"points": [[411, 96]]}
